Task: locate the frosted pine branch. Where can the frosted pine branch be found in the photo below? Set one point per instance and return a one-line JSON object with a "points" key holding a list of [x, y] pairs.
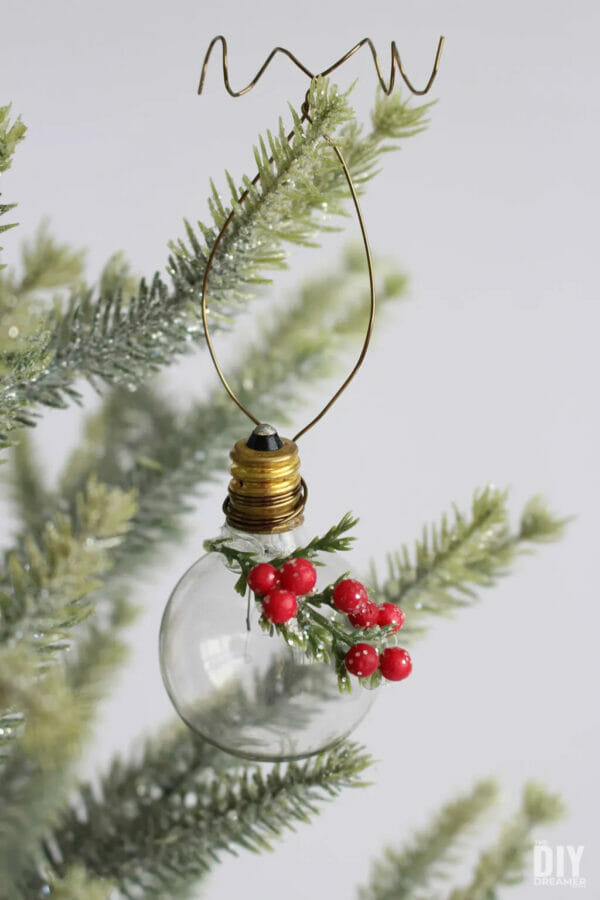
{"points": [[506, 862], [45, 593], [465, 552], [11, 132], [159, 828], [423, 859], [120, 337]]}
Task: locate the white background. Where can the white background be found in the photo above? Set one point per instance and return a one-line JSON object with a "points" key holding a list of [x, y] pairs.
{"points": [[488, 373]]}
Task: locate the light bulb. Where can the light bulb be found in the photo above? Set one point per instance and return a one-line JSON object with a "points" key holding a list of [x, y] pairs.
{"points": [[240, 687]]}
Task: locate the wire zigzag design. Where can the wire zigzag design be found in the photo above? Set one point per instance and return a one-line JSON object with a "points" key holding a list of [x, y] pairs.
{"points": [[387, 87]]}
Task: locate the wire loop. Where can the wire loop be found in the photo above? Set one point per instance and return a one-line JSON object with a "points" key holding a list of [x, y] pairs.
{"points": [[371, 319], [396, 64]]}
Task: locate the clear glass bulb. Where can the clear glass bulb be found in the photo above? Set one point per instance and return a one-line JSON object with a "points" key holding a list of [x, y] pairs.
{"points": [[242, 688]]}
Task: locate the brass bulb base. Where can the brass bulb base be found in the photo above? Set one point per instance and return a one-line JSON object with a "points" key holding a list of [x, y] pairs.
{"points": [[266, 492]]}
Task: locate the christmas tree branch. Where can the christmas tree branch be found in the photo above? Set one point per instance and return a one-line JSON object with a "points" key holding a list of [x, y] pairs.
{"points": [[160, 828], [78, 885], [419, 869], [11, 132], [45, 593], [464, 553], [49, 273], [505, 862], [119, 338], [99, 653], [37, 775], [413, 868], [34, 505]]}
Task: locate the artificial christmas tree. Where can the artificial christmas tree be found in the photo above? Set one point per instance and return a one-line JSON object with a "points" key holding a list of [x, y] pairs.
{"points": [[69, 580]]}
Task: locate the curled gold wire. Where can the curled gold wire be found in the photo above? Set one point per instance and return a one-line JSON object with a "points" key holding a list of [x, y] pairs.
{"points": [[371, 319], [396, 64], [369, 331]]}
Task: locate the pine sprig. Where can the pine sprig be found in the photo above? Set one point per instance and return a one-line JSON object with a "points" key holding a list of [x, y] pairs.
{"points": [[335, 540], [46, 578], [400, 874], [160, 828], [11, 133], [48, 265], [119, 338], [46, 592], [505, 862], [424, 866], [463, 553], [33, 503], [48, 273], [37, 775], [77, 885]]}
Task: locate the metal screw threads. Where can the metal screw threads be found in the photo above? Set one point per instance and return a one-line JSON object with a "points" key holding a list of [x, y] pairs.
{"points": [[266, 493]]}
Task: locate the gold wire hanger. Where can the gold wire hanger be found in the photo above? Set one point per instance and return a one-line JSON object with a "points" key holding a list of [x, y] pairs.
{"points": [[396, 65]]}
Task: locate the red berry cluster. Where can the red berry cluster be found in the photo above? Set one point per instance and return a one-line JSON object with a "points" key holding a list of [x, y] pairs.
{"points": [[362, 659], [280, 588]]}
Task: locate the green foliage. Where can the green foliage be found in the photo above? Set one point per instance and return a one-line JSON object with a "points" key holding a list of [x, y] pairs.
{"points": [[121, 336], [32, 501], [161, 823], [424, 866], [394, 120], [400, 874], [53, 576], [11, 132], [538, 525], [48, 265], [10, 135], [117, 277], [37, 775], [335, 540], [465, 552], [506, 861], [44, 594], [77, 885]]}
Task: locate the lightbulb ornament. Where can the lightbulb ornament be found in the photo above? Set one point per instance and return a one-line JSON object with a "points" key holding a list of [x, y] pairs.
{"points": [[270, 647]]}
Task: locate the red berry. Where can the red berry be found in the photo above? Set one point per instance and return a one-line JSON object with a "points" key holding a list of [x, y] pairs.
{"points": [[280, 606], [395, 664], [362, 660], [390, 614], [366, 616], [298, 575], [262, 578], [349, 595]]}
